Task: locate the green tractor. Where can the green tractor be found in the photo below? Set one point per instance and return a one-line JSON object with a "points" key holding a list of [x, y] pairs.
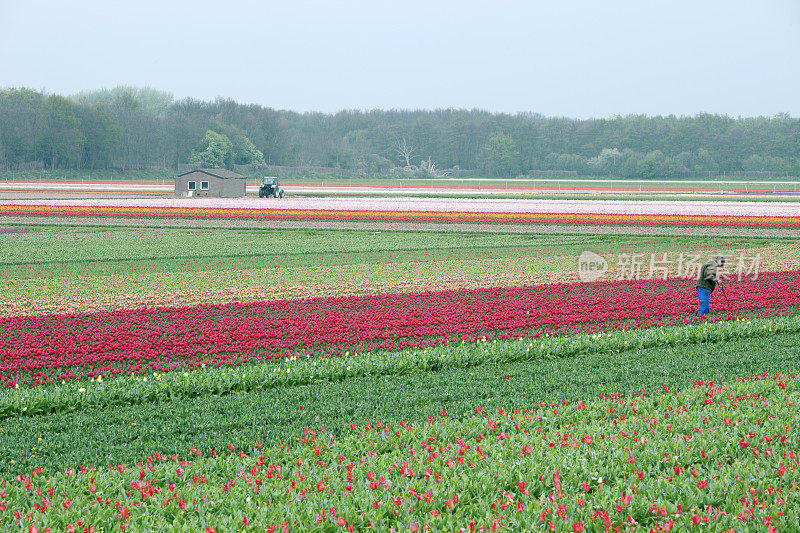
{"points": [[269, 188]]}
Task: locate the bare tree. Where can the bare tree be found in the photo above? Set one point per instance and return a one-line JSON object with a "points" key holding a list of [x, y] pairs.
{"points": [[405, 151]]}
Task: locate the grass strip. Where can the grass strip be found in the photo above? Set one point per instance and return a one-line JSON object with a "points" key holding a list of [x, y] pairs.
{"points": [[276, 416]]}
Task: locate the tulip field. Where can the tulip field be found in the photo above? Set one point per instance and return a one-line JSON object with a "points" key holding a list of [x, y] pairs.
{"points": [[261, 379], [661, 461], [565, 213], [177, 339]]}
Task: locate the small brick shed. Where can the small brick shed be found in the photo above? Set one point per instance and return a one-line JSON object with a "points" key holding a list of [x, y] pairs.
{"points": [[204, 182]]}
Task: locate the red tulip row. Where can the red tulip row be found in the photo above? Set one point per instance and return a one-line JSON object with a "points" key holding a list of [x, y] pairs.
{"points": [[35, 350]]}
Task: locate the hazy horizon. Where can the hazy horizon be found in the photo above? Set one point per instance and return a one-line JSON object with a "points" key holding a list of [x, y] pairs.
{"points": [[572, 59]]}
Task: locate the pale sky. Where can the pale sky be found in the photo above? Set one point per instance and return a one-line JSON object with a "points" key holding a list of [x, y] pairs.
{"points": [[569, 58]]}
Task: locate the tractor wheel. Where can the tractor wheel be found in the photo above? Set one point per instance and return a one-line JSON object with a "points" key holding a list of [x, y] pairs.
{"points": [[280, 193], [260, 193]]}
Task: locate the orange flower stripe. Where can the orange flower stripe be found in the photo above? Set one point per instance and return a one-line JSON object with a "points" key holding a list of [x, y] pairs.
{"points": [[408, 216]]}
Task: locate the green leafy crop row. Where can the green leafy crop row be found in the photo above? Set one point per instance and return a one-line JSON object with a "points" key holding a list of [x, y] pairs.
{"points": [[87, 245], [63, 251]]}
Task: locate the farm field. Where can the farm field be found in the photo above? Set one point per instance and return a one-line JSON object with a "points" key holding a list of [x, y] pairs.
{"points": [[431, 214], [240, 378], [711, 469], [80, 269]]}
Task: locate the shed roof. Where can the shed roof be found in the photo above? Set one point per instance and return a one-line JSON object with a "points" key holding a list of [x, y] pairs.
{"points": [[217, 172]]}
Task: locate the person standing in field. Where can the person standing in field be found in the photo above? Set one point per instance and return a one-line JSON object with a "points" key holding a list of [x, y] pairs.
{"points": [[707, 281]]}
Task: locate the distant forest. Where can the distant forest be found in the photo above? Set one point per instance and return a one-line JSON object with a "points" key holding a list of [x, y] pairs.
{"points": [[131, 129]]}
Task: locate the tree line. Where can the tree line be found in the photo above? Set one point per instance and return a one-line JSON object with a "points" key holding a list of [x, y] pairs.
{"points": [[132, 128]]}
